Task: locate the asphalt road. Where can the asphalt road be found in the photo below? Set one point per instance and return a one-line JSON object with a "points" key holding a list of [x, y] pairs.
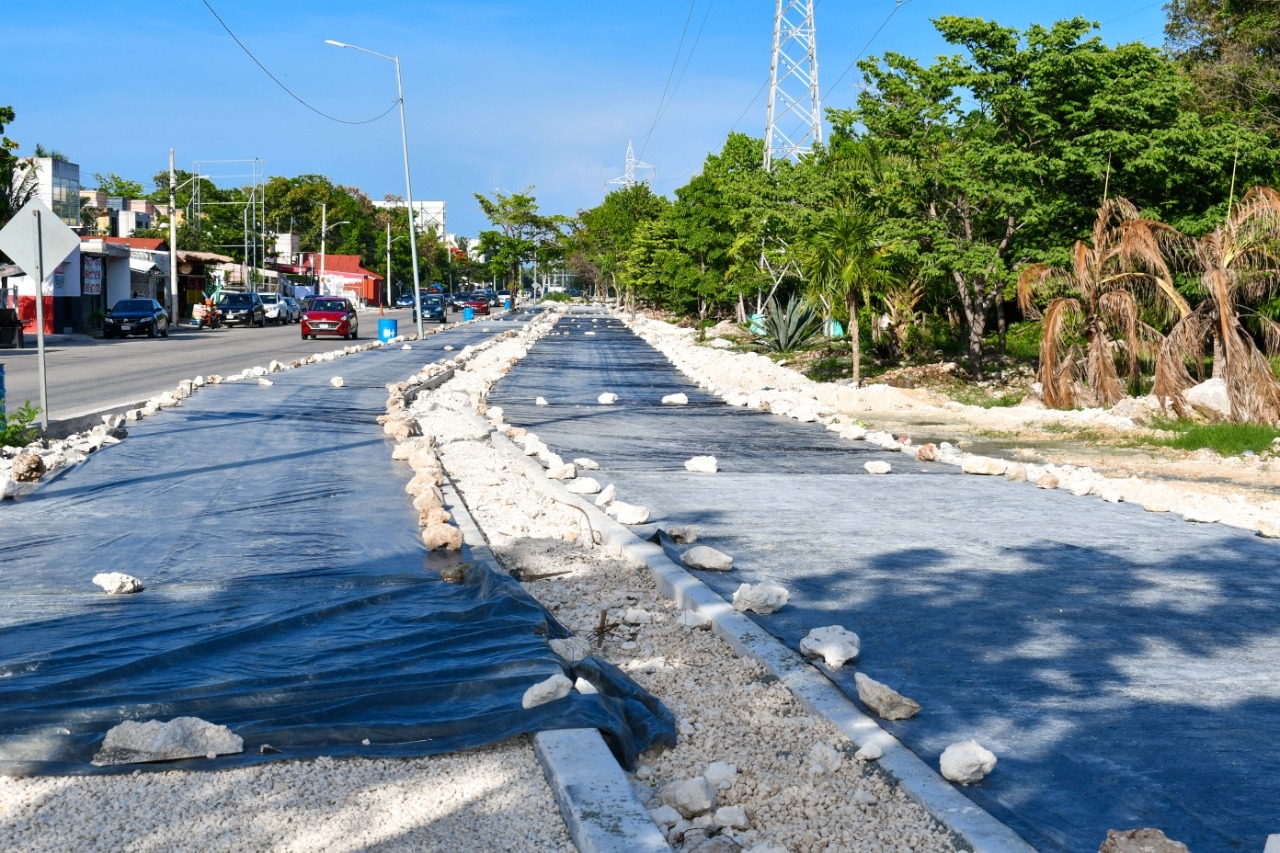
{"points": [[87, 374]]}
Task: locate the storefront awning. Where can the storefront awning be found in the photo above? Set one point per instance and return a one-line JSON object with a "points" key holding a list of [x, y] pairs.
{"points": [[139, 265]]}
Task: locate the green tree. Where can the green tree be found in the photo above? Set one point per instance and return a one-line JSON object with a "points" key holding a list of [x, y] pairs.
{"points": [[521, 232], [1009, 146], [596, 244], [17, 179], [842, 261], [1231, 50], [114, 185]]}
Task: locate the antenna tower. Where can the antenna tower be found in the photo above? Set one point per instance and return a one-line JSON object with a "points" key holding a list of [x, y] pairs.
{"points": [[795, 108], [628, 180]]}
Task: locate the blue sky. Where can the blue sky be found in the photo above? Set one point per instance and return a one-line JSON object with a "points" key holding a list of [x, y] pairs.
{"points": [[499, 95]]}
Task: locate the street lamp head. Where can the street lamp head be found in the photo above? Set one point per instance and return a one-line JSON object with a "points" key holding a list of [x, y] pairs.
{"points": [[334, 43]]}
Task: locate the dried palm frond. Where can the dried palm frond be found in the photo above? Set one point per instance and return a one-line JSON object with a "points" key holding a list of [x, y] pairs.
{"points": [[1059, 368]]}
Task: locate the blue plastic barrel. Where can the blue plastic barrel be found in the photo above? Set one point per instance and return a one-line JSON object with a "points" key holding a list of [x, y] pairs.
{"points": [[387, 329], [468, 313], [1, 395], [506, 302]]}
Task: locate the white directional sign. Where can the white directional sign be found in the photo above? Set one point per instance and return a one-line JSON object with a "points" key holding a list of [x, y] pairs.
{"points": [[18, 238], [37, 240]]}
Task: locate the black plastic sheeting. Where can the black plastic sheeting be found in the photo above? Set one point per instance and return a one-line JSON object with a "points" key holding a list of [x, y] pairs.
{"points": [[288, 595], [1124, 666]]}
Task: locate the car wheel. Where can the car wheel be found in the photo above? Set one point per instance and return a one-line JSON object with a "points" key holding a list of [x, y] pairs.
{"points": [[106, 336], [164, 333], [151, 330], [313, 337], [355, 334], [262, 324]]}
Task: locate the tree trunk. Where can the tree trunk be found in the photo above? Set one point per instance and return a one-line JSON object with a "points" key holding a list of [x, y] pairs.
{"points": [[1000, 325], [742, 309], [855, 344], [975, 317], [1218, 366]]}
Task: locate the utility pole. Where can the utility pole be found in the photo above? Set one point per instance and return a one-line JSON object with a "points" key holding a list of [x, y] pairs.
{"points": [[324, 229], [794, 123], [173, 244]]}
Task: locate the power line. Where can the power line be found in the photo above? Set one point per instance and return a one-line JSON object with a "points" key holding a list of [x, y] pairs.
{"points": [[692, 50], [394, 104], [849, 68], [665, 86]]}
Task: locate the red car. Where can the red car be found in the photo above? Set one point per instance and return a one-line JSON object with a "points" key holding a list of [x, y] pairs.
{"points": [[331, 315], [478, 302]]}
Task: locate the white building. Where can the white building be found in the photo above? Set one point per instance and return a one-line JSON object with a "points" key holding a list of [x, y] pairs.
{"points": [[428, 214]]}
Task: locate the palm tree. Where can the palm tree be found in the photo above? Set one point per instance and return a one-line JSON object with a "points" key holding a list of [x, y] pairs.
{"points": [[1238, 266], [1098, 299], [843, 260]]}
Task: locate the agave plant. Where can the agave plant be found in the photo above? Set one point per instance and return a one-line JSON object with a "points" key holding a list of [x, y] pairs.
{"points": [[791, 327], [1239, 267], [1099, 300]]}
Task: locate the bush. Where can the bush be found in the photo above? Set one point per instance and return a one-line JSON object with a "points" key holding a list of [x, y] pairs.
{"points": [[557, 297], [19, 429]]}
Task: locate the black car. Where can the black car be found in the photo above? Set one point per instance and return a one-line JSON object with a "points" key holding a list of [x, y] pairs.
{"points": [[136, 317], [243, 308], [433, 308], [404, 300]]}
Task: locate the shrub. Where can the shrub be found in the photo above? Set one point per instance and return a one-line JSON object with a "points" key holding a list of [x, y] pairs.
{"points": [[19, 429], [557, 297], [791, 328]]}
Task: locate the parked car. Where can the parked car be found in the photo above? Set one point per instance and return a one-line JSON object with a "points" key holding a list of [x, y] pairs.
{"points": [[295, 309], [136, 317], [275, 308], [433, 308], [478, 302], [331, 315], [503, 296], [404, 300], [305, 304], [246, 309]]}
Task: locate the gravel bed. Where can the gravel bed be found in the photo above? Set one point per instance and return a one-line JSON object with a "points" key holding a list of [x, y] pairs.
{"points": [[446, 802]]}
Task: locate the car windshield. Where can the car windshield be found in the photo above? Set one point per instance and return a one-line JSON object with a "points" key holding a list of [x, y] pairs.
{"points": [[432, 300], [235, 299], [132, 305], [269, 297], [329, 305]]}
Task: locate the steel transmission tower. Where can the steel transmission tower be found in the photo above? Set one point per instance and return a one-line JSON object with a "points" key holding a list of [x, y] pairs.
{"points": [[795, 108], [628, 180]]}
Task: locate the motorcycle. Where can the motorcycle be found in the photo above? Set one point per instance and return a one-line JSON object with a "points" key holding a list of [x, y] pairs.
{"points": [[206, 317]]}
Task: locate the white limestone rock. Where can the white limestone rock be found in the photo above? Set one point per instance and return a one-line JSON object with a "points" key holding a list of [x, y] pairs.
{"points": [[627, 513], [676, 400], [565, 471], [151, 740], [118, 583], [583, 486], [877, 467], [883, 700], [967, 762], [336, 382], [586, 464], [572, 649], [637, 616], [984, 466], [694, 620], [584, 687], [721, 775], [1210, 399], [734, 817], [702, 465], [690, 797], [665, 816], [265, 383], [835, 645], [607, 495], [869, 752], [8, 488], [540, 401], [555, 687], [707, 558], [763, 598], [824, 758], [608, 398]]}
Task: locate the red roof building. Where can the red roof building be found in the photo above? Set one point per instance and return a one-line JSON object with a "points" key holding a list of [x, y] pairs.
{"points": [[344, 275]]}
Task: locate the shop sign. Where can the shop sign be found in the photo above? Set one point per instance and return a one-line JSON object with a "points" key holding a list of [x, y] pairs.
{"points": [[91, 285]]}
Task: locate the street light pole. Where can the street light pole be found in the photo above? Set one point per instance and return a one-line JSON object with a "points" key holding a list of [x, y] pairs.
{"points": [[324, 230], [408, 183]]}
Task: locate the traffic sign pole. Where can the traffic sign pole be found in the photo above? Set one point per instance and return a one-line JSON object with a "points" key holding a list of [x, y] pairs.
{"points": [[38, 236]]}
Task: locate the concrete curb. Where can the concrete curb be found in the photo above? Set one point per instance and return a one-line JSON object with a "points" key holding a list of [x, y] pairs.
{"points": [[814, 690], [597, 803]]}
